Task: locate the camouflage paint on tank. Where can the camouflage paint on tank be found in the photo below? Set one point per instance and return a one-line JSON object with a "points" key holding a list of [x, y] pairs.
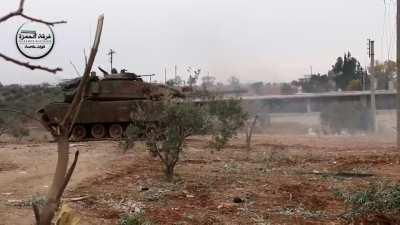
{"points": [[114, 99]]}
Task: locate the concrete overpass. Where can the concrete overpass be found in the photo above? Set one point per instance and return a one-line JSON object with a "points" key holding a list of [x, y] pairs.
{"points": [[304, 109], [315, 102]]}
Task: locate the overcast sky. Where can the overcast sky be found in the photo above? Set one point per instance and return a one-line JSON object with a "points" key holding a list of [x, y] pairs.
{"points": [[255, 40]]}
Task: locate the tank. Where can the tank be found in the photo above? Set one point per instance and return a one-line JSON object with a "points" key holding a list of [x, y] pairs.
{"points": [[110, 105]]}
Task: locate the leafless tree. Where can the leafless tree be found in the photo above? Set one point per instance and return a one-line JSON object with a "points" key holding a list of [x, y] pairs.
{"points": [[45, 213], [254, 110], [20, 13], [250, 124]]}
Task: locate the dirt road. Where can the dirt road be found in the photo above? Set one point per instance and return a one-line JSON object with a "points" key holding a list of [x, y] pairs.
{"points": [[26, 170]]}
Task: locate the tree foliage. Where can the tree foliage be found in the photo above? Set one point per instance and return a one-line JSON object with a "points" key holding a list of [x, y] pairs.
{"points": [[257, 87], [234, 82], [176, 122], [176, 81], [227, 118], [384, 73], [288, 89], [208, 82], [346, 74], [193, 76], [315, 84], [18, 105], [345, 70], [354, 85]]}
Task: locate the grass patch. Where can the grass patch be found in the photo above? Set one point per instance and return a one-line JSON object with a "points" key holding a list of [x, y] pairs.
{"points": [[380, 199]]}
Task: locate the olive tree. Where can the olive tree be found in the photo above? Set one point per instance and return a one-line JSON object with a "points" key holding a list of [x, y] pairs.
{"points": [[227, 118], [176, 121]]}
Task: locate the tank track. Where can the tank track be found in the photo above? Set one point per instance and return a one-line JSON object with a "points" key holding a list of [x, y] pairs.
{"points": [[111, 132], [98, 132]]}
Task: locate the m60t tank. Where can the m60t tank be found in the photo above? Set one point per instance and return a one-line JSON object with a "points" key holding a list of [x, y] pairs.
{"points": [[110, 105]]}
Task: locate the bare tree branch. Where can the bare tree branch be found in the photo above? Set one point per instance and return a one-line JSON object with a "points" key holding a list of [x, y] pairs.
{"points": [[42, 21], [15, 13], [84, 54], [70, 116], [158, 151], [76, 69], [20, 12], [63, 174], [30, 66]]}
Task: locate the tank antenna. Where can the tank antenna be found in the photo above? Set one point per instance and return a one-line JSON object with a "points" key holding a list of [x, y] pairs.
{"points": [[111, 53]]}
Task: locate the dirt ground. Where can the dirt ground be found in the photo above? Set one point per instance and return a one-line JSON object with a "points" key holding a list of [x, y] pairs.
{"points": [[282, 180]]}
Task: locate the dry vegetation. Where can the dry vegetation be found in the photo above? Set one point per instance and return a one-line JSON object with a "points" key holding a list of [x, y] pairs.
{"points": [[284, 180]]}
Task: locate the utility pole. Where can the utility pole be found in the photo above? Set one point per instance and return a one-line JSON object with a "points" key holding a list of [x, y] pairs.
{"points": [[165, 75], [111, 53], [176, 71], [371, 52], [364, 80], [398, 75]]}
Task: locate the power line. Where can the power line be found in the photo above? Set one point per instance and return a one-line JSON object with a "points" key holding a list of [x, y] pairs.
{"points": [[388, 29], [383, 36]]}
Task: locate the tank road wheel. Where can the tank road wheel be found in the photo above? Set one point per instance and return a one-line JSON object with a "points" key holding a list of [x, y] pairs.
{"points": [[98, 131], [115, 131], [78, 133]]}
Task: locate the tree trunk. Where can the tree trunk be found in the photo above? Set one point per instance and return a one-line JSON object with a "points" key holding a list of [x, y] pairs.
{"points": [[45, 214], [51, 206], [169, 172], [398, 74], [250, 133]]}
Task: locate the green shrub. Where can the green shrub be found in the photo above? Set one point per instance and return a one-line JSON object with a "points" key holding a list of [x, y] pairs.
{"points": [[134, 219], [227, 117], [376, 199], [19, 104], [175, 122], [131, 135]]}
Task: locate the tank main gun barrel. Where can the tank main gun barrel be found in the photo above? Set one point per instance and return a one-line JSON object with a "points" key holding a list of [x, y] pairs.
{"points": [[105, 73], [147, 75]]}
